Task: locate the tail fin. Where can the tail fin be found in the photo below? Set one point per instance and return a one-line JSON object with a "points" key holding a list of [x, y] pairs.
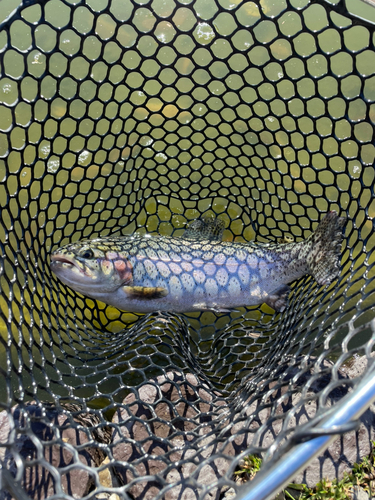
{"points": [[325, 251]]}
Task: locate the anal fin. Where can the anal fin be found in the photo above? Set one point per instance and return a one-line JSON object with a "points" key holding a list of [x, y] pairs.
{"points": [[202, 306], [145, 292], [278, 299]]}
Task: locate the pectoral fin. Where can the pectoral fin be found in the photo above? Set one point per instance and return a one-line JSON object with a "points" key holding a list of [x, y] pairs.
{"points": [[278, 299], [145, 292]]}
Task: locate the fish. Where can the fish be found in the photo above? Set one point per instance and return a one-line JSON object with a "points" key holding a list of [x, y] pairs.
{"points": [[197, 271]]}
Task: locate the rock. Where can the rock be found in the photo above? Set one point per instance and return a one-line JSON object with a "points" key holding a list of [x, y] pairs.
{"points": [[344, 451], [359, 494], [356, 367], [230, 494], [35, 423], [108, 479], [267, 414], [171, 440], [299, 403], [172, 425], [347, 449], [168, 427]]}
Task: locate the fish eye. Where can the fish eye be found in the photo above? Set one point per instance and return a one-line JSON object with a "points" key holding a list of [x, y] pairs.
{"points": [[87, 254]]}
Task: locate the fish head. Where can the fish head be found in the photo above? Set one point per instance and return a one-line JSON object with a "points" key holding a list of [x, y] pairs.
{"points": [[91, 268]]}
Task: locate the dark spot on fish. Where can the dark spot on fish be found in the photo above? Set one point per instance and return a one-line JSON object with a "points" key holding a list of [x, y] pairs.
{"points": [[145, 292]]}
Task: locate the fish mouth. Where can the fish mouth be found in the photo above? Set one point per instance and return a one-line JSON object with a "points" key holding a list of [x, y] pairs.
{"points": [[61, 261]]}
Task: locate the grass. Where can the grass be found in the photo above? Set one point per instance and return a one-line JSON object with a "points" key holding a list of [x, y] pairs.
{"points": [[362, 475], [249, 467]]}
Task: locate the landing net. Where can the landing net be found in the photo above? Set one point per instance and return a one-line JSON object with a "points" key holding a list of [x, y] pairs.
{"points": [[119, 116]]}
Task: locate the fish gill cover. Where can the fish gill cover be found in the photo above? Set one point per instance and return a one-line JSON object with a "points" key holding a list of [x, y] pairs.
{"points": [[123, 116]]}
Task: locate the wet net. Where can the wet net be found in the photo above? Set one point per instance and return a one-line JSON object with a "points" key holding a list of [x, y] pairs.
{"points": [[123, 116]]}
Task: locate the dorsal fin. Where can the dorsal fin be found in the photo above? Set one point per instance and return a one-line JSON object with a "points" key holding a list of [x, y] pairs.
{"points": [[206, 228]]}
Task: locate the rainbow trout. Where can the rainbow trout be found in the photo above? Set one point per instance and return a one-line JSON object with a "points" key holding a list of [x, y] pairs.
{"points": [[199, 271]]}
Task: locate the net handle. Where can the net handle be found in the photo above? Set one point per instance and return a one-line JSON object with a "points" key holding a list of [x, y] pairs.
{"points": [[273, 478], [369, 2]]}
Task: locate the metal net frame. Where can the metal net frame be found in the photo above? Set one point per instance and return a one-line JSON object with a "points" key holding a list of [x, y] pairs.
{"points": [[123, 116]]}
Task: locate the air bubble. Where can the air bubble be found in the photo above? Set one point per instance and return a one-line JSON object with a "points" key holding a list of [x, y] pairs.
{"points": [[53, 165]]}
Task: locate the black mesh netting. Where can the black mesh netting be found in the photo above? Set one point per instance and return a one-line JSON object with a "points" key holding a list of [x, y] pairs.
{"points": [[129, 115]]}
